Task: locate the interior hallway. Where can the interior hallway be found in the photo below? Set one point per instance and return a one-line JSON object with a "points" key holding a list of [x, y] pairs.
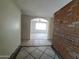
{"points": [[15, 16], [35, 31]]}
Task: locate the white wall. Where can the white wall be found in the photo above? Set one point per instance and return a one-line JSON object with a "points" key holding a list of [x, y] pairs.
{"points": [[51, 27], [10, 22], [25, 27], [26, 20]]}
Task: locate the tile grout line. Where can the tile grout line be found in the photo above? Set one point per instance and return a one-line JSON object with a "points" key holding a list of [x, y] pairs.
{"points": [[48, 54], [25, 53], [42, 53], [31, 52], [21, 52], [24, 50]]}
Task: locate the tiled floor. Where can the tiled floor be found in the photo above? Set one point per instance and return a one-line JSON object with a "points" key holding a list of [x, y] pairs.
{"points": [[36, 42], [37, 39], [39, 36], [37, 53]]}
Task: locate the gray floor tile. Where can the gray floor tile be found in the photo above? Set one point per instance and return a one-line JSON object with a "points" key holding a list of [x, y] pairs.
{"points": [[29, 49], [41, 48], [44, 56], [36, 53], [56, 57], [21, 54], [50, 52], [29, 57]]}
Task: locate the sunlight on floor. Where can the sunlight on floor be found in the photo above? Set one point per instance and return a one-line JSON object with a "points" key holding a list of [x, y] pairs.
{"points": [[36, 42], [39, 36]]}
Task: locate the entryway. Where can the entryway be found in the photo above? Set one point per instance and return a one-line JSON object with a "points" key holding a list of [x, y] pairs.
{"points": [[39, 29], [39, 32]]}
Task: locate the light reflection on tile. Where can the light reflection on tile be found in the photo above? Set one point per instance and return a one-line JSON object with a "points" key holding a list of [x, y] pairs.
{"points": [[35, 42]]}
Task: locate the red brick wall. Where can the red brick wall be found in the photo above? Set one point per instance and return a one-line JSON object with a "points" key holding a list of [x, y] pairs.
{"points": [[66, 33]]}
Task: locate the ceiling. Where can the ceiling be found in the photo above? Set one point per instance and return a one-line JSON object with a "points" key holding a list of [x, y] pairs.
{"points": [[42, 8]]}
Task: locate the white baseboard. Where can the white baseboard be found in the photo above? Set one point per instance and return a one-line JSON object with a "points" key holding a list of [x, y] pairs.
{"points": [[4, 56]]}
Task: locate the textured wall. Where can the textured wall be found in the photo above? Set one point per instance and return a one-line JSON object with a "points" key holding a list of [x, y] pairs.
{"points": [[66, 30]]}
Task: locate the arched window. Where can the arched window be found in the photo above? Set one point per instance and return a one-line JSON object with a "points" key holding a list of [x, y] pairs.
{"points": [[39, 20], [40, 23]]}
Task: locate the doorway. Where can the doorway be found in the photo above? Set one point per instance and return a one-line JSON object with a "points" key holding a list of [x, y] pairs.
{"points": [[39, 33], [39, 29]]}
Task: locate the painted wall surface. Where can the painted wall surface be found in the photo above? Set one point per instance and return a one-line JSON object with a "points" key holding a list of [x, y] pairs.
{"points": [[10, 25], [25, 27], [26, 23], [51, 27]]}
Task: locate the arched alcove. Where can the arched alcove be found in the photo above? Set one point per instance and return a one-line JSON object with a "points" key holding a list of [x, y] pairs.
{"points": [[39, 28]]}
